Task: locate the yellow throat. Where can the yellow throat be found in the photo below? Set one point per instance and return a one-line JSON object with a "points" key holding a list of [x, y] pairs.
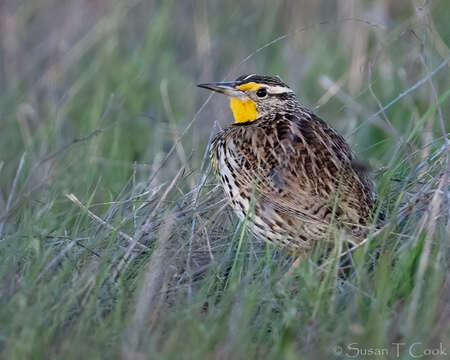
{"points": [[243, 110]]}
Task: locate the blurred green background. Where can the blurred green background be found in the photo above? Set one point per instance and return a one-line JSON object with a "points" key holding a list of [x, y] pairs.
{"points": [[70, 67], [98, 98]]}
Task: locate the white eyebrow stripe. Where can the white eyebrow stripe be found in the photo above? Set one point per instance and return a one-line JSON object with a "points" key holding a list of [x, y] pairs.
{"points": [[278, 89]]}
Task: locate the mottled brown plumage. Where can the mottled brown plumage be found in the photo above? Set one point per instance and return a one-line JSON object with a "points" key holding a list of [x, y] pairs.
{"points": [[300, 173]]}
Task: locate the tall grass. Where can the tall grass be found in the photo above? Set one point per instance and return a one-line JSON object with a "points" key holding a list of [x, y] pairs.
{"points": [[115, 239]]}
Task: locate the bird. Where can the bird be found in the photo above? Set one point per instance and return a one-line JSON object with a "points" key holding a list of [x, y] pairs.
{"points": [[285, 170]]}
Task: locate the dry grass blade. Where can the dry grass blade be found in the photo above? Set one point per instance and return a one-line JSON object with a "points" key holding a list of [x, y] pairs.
{"points": [[429, 222], [146, 226], [148, 301], [57, 258], [12, 191], [334, 88], [98, 219], [355, 247], [403, 94]]}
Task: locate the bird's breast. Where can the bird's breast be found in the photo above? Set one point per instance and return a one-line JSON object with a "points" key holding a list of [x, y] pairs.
{"points": [[229, 173]]}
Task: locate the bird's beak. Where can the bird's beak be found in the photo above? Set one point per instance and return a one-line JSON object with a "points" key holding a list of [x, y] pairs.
{"points": [[226, 88]]}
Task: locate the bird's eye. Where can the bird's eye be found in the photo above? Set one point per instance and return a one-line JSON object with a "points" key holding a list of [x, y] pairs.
{"points": [[261, 92]]}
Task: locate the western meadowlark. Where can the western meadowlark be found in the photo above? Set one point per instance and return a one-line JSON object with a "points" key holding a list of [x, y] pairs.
{"points": [[286, 169]]}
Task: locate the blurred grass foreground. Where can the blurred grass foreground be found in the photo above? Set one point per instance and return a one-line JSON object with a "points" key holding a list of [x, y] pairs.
{"points": [[115, 240]]}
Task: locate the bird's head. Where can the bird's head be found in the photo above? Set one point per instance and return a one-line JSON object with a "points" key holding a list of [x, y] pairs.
{"points": [[254, 96]]}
